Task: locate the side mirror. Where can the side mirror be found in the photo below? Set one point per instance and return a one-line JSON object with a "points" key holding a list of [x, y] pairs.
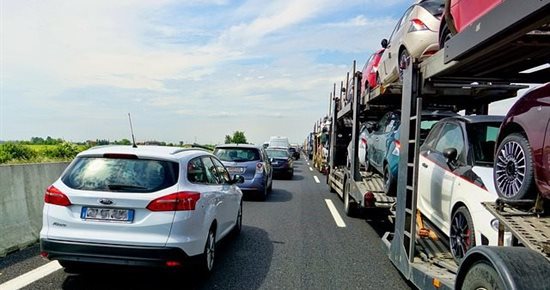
{"points": [[450, 154], [384, 43], [238, 179]]}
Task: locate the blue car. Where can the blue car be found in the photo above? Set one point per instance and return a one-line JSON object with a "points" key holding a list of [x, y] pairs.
{"points": [[252, 163], [383, 144]]}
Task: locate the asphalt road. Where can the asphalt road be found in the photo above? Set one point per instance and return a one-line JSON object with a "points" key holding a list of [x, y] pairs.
{"points": [[290, 241]]}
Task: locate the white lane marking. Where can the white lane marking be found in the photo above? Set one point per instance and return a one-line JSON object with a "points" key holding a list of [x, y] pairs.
{"points": [[308, 163], [30, 277], [310, 169], [316, 179], [335, 215]]}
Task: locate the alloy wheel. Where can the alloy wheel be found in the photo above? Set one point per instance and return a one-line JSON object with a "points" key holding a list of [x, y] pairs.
{"points": [[510, 169], [460, 237]]}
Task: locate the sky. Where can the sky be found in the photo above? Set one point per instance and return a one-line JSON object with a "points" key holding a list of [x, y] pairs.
{"points": [[190, 71]]}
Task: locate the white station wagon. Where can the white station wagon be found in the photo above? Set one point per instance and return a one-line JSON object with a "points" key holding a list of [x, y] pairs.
{"points": [[146, 206]]}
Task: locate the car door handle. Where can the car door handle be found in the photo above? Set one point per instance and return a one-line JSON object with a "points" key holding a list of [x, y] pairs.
{"points": [[424, 165]]}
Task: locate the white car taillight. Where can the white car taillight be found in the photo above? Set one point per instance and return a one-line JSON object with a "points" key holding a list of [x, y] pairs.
{"points": [[184, 200], [55, 196]]}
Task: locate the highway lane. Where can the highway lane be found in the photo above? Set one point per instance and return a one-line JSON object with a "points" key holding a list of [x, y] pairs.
{"points": [[290, 241]]}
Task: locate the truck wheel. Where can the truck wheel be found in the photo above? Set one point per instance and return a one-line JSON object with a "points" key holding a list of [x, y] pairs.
{"points": [[462, 236], [350, 207], [482, 276], [513, 171]]}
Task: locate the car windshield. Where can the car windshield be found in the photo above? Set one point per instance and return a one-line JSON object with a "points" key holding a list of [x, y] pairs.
{"points": [[482, 138], [121, 175], [435, 7], [277, 153], [237, 154]]}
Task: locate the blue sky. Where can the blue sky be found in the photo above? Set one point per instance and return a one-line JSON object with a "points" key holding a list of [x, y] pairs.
{"points": [[186, 70]]}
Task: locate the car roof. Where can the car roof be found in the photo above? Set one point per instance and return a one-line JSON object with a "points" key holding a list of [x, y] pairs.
{"points": [[163, 152], [233, 145], [478, 118]]}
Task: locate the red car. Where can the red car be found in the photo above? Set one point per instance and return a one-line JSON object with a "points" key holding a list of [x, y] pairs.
{"points": [[369, 71], [522, 161], [462, 14]]}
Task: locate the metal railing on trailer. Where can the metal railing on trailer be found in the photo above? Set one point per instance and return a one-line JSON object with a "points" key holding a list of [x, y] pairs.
{"points": [[476, 67]]}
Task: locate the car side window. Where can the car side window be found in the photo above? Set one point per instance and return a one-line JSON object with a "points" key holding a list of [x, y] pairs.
{"points": [[211, 175], [195, 171], [223, 175], [452, 137]]}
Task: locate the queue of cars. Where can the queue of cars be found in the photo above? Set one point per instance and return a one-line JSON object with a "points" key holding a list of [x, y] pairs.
{"points": [[153, 206]]}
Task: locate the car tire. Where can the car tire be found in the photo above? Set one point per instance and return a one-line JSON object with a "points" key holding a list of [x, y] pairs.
{"points": [[482, 275], [513, 170], [350, 207], [262, 194], [462, 233], [404, 62], [239, 222], [290, 175], [444, 36], [389, 182], [270, 188], [207, 259]]}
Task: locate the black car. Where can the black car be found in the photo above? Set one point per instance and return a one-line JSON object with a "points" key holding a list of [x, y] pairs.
{"points": [[281, 162], [294, 153]]}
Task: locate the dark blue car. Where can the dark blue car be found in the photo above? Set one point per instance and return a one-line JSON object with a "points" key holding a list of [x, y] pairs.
{"points": [[281, 161], [249, 161]]}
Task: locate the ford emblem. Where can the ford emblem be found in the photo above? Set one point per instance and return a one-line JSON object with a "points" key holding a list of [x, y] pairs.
{"points": [[105, 201]]}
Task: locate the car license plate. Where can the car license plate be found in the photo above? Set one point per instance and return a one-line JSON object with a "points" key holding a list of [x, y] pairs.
{"points": [[107, 214]]}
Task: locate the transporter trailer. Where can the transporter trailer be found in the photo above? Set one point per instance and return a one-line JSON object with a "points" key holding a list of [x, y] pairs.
{"points": [[480, 65]]}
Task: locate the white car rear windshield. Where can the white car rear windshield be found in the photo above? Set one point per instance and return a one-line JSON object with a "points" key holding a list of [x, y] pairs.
{"points": [[121, 175]]}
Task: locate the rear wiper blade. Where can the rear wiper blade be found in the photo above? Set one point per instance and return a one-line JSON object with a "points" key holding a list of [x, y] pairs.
{"points": [[125, 186]]}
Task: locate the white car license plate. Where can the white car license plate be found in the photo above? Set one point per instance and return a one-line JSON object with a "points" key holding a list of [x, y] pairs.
{"points": [[107, 214]]}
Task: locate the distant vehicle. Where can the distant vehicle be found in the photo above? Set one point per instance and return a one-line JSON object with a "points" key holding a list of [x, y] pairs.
{"points": [[265, 145], [281, 161], [278, 141], [250, 162], [522, 165], [414, 36], [383, 146], [368, 81], [462, 14], [147, 206], [293, 151], [455, 174]]}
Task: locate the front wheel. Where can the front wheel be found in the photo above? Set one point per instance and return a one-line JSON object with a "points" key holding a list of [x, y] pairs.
{"points": [[482, 276], [389, 181], [462, 235], [513, 170], [444, 36]]}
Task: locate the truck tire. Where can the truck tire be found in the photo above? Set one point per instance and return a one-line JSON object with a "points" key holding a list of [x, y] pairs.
{"points": [[350, 206], [482, 275]]}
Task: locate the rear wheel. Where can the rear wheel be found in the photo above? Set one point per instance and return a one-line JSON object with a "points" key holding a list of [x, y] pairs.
{"points": [[404, 62], [482, 276], [513, 170], [262, 194], [462, 235], [209, 254]]}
